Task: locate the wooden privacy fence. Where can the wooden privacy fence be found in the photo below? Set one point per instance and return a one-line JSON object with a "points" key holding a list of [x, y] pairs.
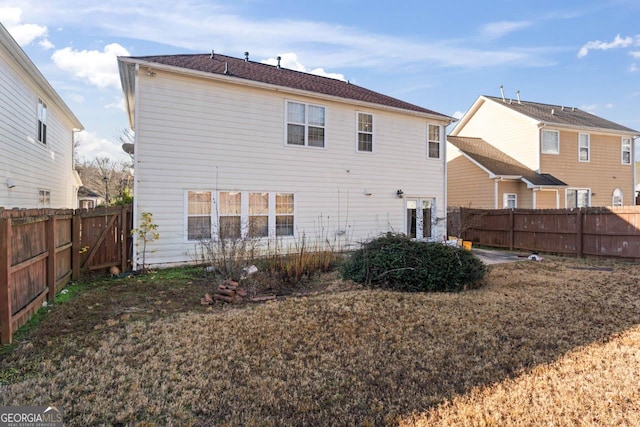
{"points": [[41, 250], [602, 231]]}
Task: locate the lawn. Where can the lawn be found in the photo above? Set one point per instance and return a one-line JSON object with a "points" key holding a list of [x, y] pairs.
{"points": [[555, 342]]}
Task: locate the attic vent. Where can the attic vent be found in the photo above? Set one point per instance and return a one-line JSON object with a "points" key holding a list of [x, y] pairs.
{"points": [[212, 53], [226, 68], [246, 57], [553, 111], [518, 96], [562, 108], [573, 108], [279, 58], [502, 92]]}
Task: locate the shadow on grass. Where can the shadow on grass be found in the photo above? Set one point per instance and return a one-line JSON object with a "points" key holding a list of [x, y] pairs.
{"points": [[351, 358]]}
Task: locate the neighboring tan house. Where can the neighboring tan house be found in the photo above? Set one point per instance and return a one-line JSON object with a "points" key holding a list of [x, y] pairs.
{"points": [[507, 153], [36, 136], [89, 199], [230, 148]]}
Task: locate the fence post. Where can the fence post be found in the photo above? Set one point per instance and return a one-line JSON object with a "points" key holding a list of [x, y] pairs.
{"points": [[51, 258], [123, 238], [579, 233], [6, 312], [76, 221]]}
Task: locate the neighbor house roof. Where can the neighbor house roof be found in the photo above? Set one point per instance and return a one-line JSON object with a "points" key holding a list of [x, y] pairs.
{"points": [[235, 68], [561, 115], [499, 163]]}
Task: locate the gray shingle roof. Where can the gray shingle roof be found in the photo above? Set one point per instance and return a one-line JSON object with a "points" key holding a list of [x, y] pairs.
{"points": [[561, 115], [499, 163], [271, 74]]}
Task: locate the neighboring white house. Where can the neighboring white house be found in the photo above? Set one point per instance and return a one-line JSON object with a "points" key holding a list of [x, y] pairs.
{"points": [[36, 136], [228, 147]]}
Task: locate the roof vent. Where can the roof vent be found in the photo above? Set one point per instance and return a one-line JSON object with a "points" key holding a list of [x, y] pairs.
{"points": [[562, 108], [211, 53], [553, 111], [226, 68], [518, 96], [246, 57], [573, 108], [502, 93], [279, 58]]}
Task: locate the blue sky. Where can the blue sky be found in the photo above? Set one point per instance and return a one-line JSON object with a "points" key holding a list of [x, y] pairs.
{"points": [[439, 55]]}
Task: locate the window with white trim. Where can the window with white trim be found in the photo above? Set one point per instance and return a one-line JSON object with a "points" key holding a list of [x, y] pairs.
{"points": [[42, 121], [550, 141], [617, 199], [584, 147], [626, 151], [305, 124], [365, 132], [284, 214], [509, 200], [229, 215], [258, 215], [198, 215], [578, 198], [44, 198], [434, 141]]}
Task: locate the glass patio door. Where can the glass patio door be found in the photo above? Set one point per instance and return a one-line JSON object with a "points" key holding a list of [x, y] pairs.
{"points": [[419, 217]]}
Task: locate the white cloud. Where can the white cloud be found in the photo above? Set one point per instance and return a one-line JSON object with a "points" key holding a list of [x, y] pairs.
{"points": [[91, 146], [495, 30], [76, 98], [633, 68], [24, 34], [290, 61], [98, 68], [635, 54], [589, 108], [609, 106], [618, 42], [118, 104], [458, 115]]}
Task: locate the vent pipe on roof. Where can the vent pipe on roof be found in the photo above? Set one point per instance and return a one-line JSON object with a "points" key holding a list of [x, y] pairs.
{"points": [[518, 96], [246, 57], [562, 108], [212, 53], [502, 93], [279, 58], [226, 68], [553, 111]]}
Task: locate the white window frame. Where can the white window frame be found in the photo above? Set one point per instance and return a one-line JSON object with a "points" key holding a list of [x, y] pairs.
{"points": [[306, 125], [507, 197], [542, 140], [360, 131], [44, 199], [41, 112], [196, 215], [577, 191], [586, 146], [625, 147], [617, 198], [434, 141]]}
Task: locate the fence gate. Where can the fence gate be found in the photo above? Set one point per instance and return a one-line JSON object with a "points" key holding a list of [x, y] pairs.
{"points": [[103, 239]]}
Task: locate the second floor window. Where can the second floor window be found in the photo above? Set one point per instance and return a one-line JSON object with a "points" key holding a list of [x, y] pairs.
{"points": [[626, 151], [305, 124], [550, 141], [433, 149], [365, 132], [509, 200], [42, 122], [584, 149]]}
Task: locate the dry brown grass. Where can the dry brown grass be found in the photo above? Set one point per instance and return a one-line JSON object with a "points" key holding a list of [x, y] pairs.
{"points": [[541, 344]]}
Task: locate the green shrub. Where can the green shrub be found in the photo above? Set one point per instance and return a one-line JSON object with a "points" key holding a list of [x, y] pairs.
{"points": [[394, 261]]}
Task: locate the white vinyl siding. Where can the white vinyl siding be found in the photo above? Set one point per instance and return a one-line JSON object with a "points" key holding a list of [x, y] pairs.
{"points": [[550, 141], [626, 151], [584, 147]]}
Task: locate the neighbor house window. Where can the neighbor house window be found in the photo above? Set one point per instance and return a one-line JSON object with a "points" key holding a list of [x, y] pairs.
{"points": [[42, 121], [550, 141], [284, 214], [258, 214], [365, 132], [577, 198], [626, 151], [305, 124], [229, 211], [433, 150], [198, 215], [44, 198], [86, 204], [584, 147], [509, 200], [617, 197]]}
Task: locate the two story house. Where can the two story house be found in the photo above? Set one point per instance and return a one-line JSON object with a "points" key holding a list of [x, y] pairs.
{"points": [[228, 148], [36, 136], [508, 153]]}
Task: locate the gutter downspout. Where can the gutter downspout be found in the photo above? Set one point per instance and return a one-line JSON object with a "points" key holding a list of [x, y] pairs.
{"points": [[136, 150]]}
